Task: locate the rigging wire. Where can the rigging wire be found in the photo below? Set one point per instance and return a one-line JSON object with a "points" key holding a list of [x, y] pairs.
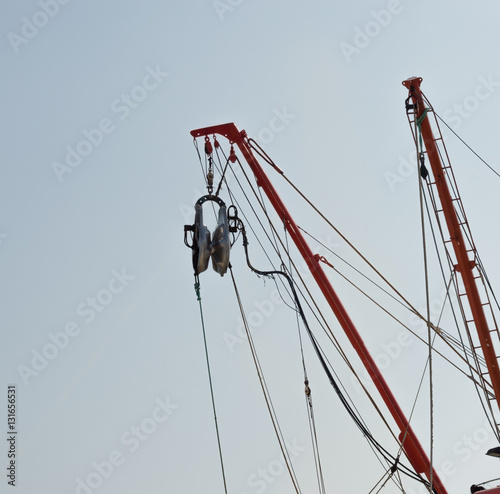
{"points": [[319, 353], [389, 473], [203, 171], [488, 481], [329, 333], [257, 364], [355, 269], [468, 147], [423, 173], [234, 201], [275, 247], [429, 334], [307, 390], [483, 271], [198, 295], [223, 177], [274, 232], [265, 390]]}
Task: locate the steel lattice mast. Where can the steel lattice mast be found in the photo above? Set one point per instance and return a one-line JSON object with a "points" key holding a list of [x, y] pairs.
{"points": [[462, 253]]}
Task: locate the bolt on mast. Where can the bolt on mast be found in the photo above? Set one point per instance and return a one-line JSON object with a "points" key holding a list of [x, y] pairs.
{"points": [[407, 437]]}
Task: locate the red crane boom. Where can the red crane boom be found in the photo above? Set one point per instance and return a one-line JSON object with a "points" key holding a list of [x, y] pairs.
{"points": [[409, 441]]}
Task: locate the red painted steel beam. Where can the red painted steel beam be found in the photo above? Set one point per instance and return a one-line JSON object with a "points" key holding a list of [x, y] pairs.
{"points": [[411, 445], [464, 264]]}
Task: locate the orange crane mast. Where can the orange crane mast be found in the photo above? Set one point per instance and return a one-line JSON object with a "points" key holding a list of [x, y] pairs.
{"points": [[463, 253]]}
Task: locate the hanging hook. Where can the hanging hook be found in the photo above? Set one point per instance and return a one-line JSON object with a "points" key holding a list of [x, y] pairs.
{"points": [[232, 154], [210, 172]]}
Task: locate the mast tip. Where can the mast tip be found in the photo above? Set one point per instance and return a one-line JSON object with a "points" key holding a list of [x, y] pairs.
{"points": [[412, 81]]}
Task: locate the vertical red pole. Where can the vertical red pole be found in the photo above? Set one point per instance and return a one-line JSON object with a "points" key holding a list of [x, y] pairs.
{"points": [[464, 264], [411, 445]]}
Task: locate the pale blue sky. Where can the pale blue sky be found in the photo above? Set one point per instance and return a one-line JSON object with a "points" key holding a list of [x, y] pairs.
{"points": [[92, 254]]}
